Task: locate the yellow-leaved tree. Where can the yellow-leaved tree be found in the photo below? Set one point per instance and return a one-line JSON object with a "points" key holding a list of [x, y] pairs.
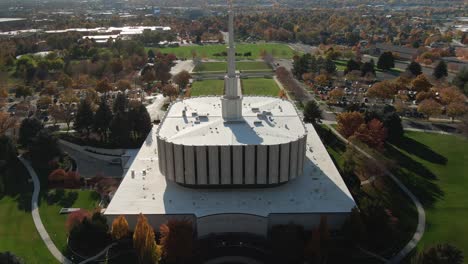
{"points": [[144, 241], [119, 228]]}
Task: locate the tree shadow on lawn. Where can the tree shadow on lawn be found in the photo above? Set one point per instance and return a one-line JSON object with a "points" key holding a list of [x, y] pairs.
{"points": [[421, 151], [415, 176], [17, 186]]}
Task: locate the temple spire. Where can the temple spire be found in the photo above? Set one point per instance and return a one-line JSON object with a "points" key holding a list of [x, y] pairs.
{"points": [[232, 99]]}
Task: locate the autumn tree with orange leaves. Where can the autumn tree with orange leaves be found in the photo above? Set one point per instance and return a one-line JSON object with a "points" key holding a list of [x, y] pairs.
{"points": [[177, 241], [6, 122], [144, 241], [119, 228], [373, 134], [349, 122]]}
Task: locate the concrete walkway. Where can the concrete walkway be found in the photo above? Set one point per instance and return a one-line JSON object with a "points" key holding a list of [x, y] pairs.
{"points": [[37, 218], [421, 213]]}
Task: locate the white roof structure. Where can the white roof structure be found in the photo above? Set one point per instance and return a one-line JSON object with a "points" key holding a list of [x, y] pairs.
{"points": [[145, 190], [199, 121]]}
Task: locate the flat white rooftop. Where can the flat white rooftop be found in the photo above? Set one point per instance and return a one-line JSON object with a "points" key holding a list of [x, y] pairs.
{"points": [[198, 121], [320, 190]]}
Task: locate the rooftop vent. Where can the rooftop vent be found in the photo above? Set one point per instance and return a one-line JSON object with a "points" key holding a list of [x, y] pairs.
{"points": [[255, 109]]}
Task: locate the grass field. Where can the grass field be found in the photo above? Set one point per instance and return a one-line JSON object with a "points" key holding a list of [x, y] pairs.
{"points": [[260, 86], [434, 167], [254, 86], [241, 65], [17, 231], [209, 51], [55, 222]]}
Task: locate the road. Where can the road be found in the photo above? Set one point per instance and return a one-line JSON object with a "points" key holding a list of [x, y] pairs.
{"points": [[90, 167]]}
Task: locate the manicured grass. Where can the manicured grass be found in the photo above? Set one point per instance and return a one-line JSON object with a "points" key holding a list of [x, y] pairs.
{"points": [[221, 66], [257, 86], [260, 86], [207, 87], [55, 222], [17, 231], [340, 65], [434, 167], [208, 51]]}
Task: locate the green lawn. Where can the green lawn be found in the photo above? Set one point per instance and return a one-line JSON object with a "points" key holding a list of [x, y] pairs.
{"points": [[435, 169], [17, 231], [52, 203], [207, 87], [260, 86], [255, 86], [208, 51], [221, 66]]}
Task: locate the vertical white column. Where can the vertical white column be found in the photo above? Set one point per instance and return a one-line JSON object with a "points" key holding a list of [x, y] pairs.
{"points": [[189, 165], [249, 164], [225, 165], [202, 170], [237, 163], [262, 156], [273, 156], [214, 164], [178, 160]]}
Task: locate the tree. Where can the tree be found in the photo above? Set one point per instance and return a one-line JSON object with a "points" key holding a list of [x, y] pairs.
{"points": [[28, 130], [336, 95], [91, 235], [440, 254], [386, 61], [450, 95], [321, 80], [461, 80], [421, 84], [120, 129], [123, 85], [456, 109], [182, 79], [8, 152], [144, 241], [102, 119], [384, 90], [170, 91], [74, 218], [84, 117], [6, 122], [142, 122], [440, 70], [329, 66], [312, 112], [351, 65], [65, 81], [415, 68], [119, 228], [23, 91], [148, 76], [162, 71], [116, 66], [354, 229], [367, 68], [392, 122], [10, 258], [349, 122], [373, 134], [103, 86], [429, 107], [44, 148], [120, 103], [177, 241]]}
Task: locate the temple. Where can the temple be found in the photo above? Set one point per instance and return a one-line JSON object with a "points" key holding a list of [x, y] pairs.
{"points": [[233, 164]]}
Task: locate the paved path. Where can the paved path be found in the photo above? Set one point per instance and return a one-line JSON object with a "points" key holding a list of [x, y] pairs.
{"points": [[37, 218], [104, 251], [421, 214]]}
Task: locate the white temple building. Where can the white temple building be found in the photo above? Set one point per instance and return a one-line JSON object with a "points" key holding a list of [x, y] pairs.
{"points": [[233, 164]]}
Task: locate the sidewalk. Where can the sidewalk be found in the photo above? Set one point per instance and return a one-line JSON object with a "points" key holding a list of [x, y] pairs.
{"points": [[37, 218]]}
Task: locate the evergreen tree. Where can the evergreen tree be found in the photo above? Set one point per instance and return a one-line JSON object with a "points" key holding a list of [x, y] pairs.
{"points": [[386, 61], [28, 130], [120, 104], [120, 129], [352, 65], [440, 254], [7, 151], [366, 68], [84, 117], [102, 119], [461, 80], [44, 148], [142, 122], [312, 112], [440, 70], [415, 68], [330, 66], [392, 123]]}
